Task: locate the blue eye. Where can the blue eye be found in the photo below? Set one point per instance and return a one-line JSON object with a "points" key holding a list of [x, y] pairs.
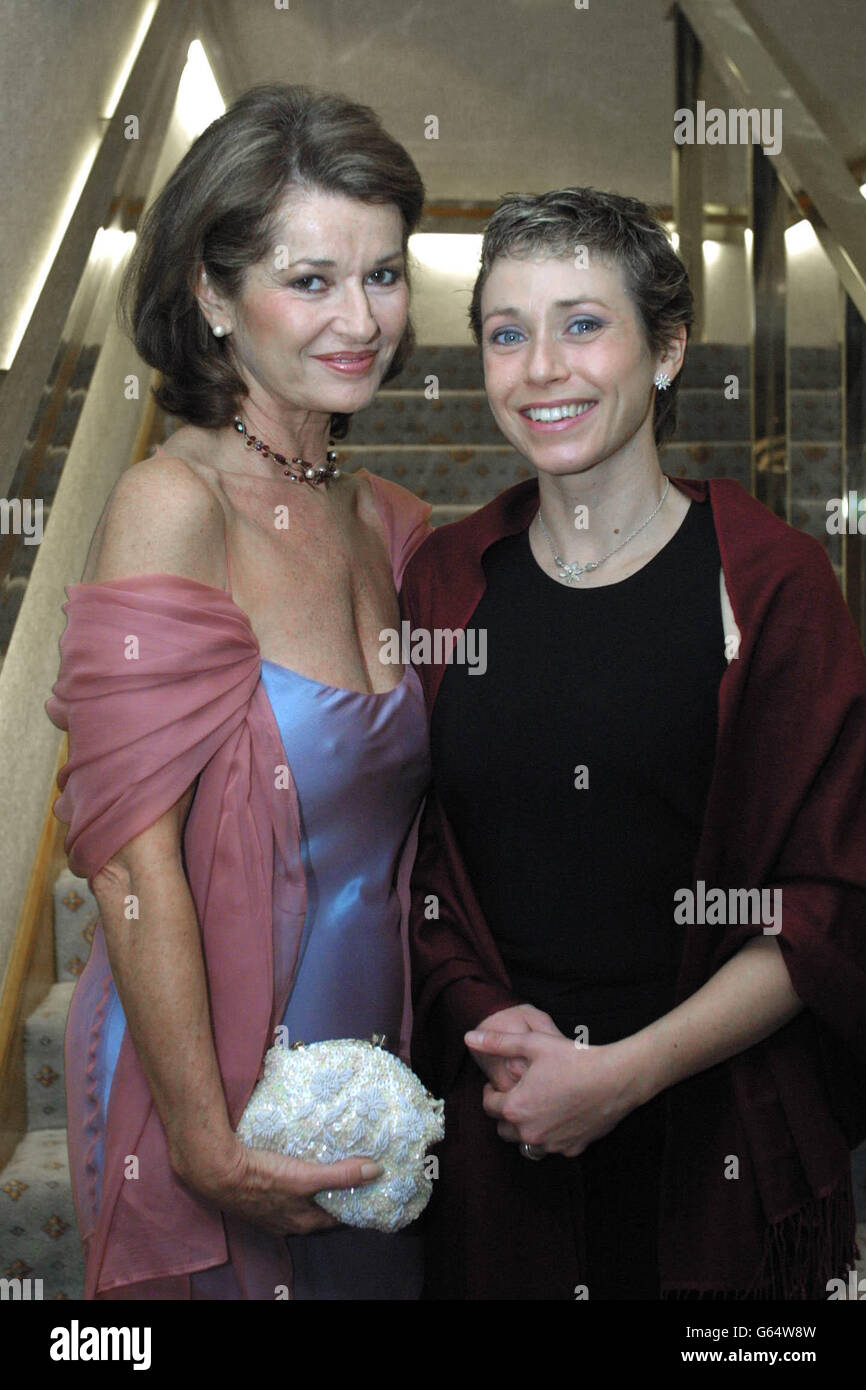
{"points": [[587, 323], [500, 336]]}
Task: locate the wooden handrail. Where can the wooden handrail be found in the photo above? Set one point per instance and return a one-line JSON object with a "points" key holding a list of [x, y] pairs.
{"points": [[30, 973], [31, 970]]}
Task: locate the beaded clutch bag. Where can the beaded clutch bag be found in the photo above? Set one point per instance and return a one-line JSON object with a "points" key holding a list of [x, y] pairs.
{"points": [[346, 1098]]}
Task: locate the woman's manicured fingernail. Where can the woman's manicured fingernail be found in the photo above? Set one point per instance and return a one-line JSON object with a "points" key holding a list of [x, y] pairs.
{"points": [[371, 1170]]}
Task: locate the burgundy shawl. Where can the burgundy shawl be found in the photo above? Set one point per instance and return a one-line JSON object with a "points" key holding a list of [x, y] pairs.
{"points": [[189, 705], [786, 809]]}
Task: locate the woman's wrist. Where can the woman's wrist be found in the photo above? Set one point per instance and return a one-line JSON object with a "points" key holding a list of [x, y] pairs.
{"points": [[643, 1067], [204, 1159]]}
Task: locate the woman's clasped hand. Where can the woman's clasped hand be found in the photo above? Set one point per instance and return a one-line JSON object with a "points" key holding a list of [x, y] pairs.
{"points": [[567, 1094]]}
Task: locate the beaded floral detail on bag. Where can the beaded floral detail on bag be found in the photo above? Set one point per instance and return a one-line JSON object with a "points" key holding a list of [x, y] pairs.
{"points": [[346, 1098]]}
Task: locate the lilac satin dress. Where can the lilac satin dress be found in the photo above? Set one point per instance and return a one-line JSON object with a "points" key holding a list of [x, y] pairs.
{"points": [[361, 766]]}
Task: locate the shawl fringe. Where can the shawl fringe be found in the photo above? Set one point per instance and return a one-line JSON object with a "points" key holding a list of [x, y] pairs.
{"points": [[802, 1253]]}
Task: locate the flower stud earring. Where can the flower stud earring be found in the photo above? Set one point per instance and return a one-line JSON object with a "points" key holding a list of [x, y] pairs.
{"points": [[662, 381], [219, 330]]}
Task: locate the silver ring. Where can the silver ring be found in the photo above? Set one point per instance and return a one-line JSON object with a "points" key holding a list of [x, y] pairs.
{"points": [[532, 1151]]}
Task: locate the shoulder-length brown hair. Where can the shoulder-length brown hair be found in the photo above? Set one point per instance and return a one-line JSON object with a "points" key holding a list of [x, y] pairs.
{"points": [[218, 210]]}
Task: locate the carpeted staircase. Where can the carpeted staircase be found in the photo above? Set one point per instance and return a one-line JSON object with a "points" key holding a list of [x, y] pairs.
{"points": [[53, 426], [446, 448], [38, 1231]]}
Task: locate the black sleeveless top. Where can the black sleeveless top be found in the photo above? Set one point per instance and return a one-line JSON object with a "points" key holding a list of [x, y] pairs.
{"points": [[575, 772]]}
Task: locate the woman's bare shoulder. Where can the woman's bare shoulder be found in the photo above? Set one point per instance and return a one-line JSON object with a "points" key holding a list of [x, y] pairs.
{"points": [[162, 516], [377, 495], [364, 497]]}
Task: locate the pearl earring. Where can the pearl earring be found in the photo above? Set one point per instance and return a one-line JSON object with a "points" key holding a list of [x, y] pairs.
{"points": [[219, 330], [662, 381]]}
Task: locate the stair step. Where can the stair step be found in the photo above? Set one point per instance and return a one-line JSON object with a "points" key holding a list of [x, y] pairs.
{"points": [[454, 366], [704, 415], [441, 516], [442, 475], [474, 475], [408, 416], [706, 364], [815, 414], [44, 1032], [812, 368], [38, 1230]]}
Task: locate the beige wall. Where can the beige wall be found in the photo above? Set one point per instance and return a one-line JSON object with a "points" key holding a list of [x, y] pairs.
{"points": [[59, 64]]}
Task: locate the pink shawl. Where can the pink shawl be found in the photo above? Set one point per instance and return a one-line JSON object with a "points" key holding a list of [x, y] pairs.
{"points": [[141, 731]]}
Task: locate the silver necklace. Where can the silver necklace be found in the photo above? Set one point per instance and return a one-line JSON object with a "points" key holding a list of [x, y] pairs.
{"points": [[573, 573]]}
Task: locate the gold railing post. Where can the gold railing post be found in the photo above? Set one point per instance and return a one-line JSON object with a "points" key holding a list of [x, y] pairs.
{"points": [[688, 167], [769, 357]]}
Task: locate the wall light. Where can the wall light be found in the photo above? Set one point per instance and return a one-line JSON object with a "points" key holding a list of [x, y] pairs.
{"points": [[199, 100], [111, 245], [63, 220], [123, 75], [448, 253], [801, 237]]}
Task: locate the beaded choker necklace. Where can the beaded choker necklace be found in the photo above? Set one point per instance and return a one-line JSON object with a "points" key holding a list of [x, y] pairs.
{"points": [[308, 474]]}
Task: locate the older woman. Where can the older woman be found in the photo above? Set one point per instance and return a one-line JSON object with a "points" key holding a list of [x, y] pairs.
{"points": [[641, 884], [244, 774]]}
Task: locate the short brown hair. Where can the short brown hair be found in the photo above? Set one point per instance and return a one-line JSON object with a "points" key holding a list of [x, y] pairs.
{"points": [[218, 210], [621, 230]]}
